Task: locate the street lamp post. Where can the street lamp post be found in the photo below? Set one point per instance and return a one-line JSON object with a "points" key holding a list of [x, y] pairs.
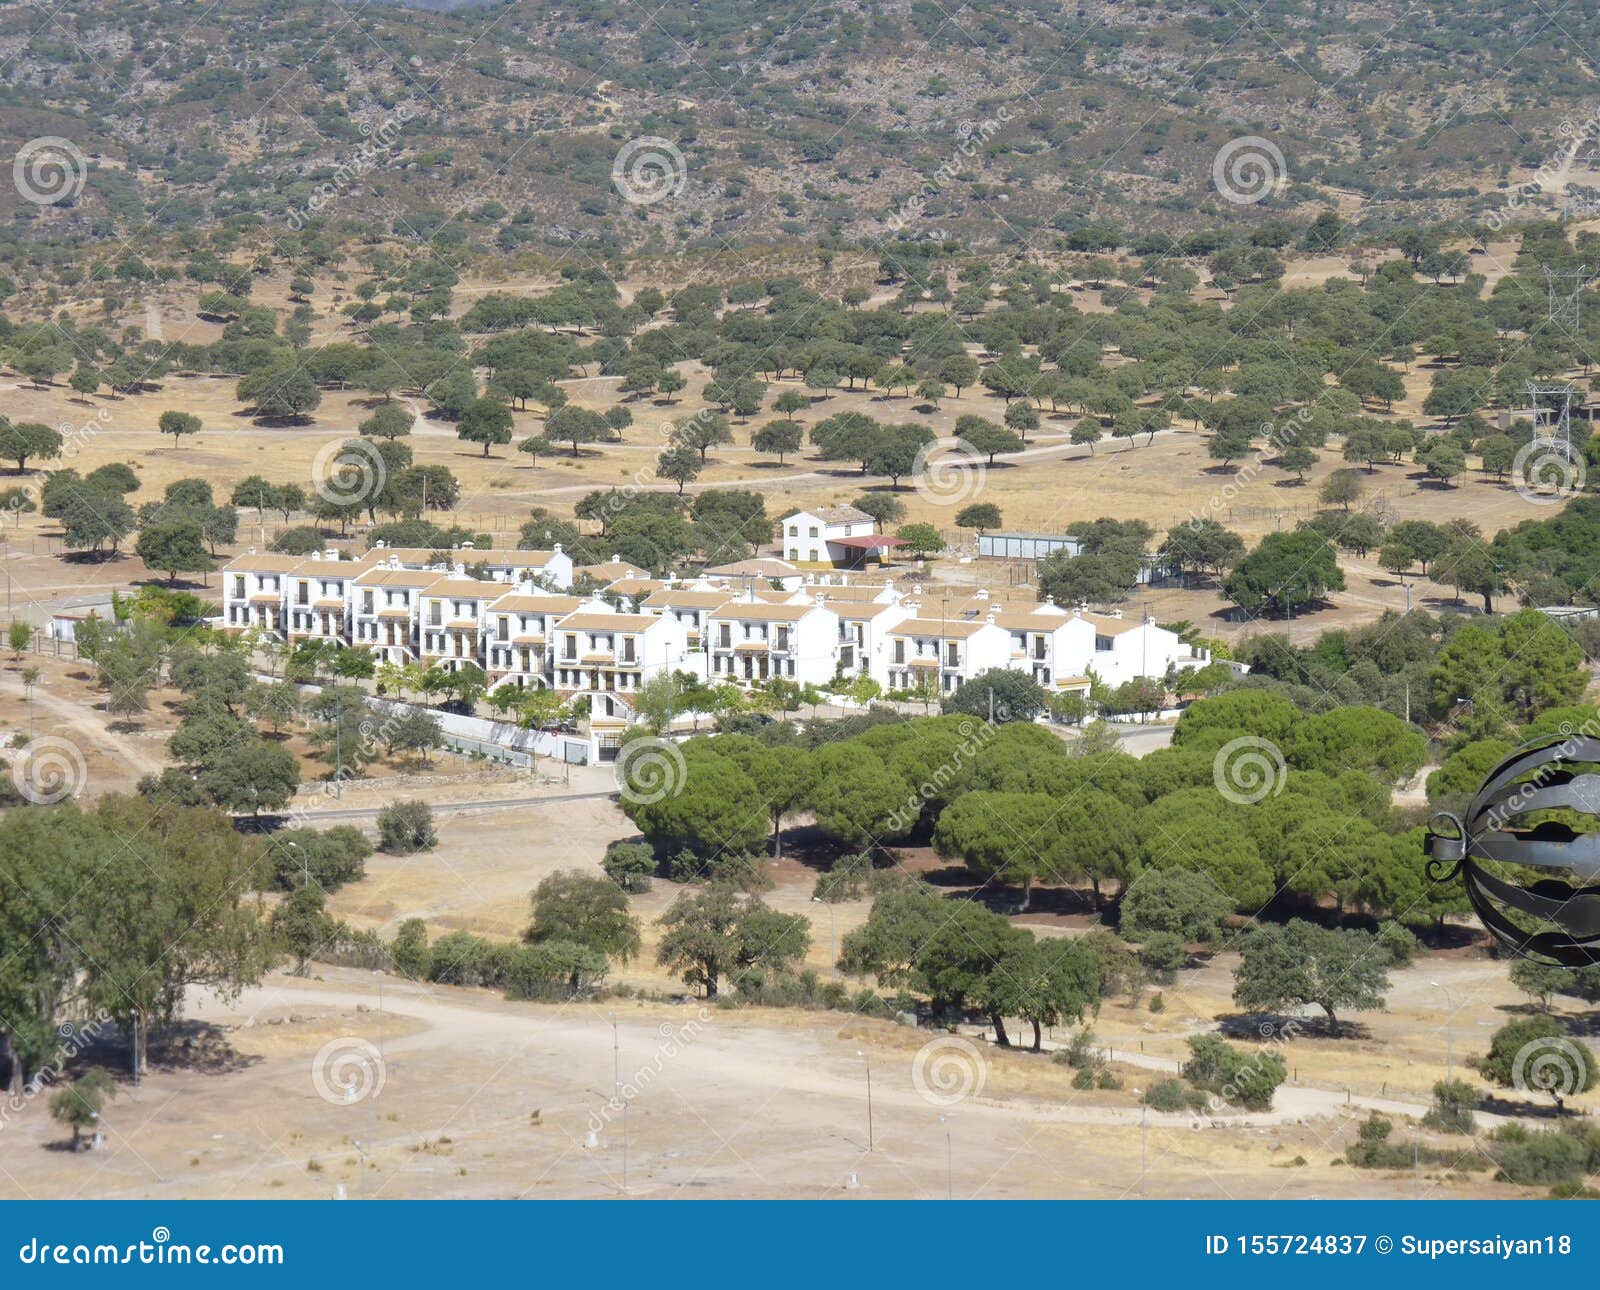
{"points": [[616, 1059], [1449, 1030], [949, 1161], [868, 1062]]}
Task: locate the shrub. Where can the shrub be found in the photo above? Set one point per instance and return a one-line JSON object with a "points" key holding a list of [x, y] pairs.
{"points": [[1162, 955], [1372, 1148], [404, 828], [460, 958], [1453, 1103], [1238, 1078], [1170, 1095], [552, 970], [410, 951], [630, 865], [1397, 943], [328, 858], [1544, 1157]]}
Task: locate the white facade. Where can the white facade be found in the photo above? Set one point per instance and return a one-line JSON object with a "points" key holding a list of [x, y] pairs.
{"points": [[805, 535], [749, 641], [942, 652], [736, 627]]}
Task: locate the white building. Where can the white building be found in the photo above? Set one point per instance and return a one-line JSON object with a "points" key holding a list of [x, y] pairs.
{"points": [[749, 641], [812, 537], [517, 631], [942, 652], [597, 648]]}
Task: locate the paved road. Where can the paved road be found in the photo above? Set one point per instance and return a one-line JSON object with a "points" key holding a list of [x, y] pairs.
{"points": [[448, 808]]}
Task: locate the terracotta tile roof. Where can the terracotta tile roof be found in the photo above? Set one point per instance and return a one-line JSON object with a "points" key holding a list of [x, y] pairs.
{"points": [[464, 588], [266, 563], [607, 622], [534, 603], [956, 629], [744, 611]]}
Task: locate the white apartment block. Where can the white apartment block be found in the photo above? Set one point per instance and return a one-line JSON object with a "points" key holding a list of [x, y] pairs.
{"points": [[749, 641], [600, 649], [942, 652], [517, 631], [406, 607], [450, 621]]}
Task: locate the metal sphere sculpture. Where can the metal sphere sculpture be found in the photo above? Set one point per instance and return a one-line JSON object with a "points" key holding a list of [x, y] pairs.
{"points": [[1545, 918]]}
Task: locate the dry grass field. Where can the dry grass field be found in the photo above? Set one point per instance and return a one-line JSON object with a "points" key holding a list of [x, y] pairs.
{"points": [[484, 1098]]}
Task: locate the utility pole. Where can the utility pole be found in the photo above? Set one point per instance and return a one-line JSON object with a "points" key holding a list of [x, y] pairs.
{"points": [[949, 1161], [1144, 1148], [870, 1144]]}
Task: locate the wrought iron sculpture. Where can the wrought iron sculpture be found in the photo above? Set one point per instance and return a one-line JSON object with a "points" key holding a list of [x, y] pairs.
{"points": [[1560, 921]]}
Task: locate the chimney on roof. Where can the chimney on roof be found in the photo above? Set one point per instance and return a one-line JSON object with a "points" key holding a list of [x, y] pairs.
{"points": [[380, 544], [458, 569], [330, 554], [1116, 613], [252, 551], [557, 548]]}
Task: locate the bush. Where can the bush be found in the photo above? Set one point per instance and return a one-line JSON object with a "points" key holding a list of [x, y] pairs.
{"points": [[328, 858], [631, 865], [1170, 1095], [301, 540], [1544, 1157], [1453, 1103], [1163, 954], [460, 958], [1372, 1148], [410, 951], [1183, 904], [1238, 1078], [404, 828], [552, 970], [1397, 943]]}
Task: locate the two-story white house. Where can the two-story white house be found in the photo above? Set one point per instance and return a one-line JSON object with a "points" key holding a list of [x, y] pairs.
{"points": [[517, 631], [255, 589], [317, 598], [1117, 649], [748, 641], [450, 615], [813, 537], [597, 648], [942, 653], [864, 627], [386, 600]]}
